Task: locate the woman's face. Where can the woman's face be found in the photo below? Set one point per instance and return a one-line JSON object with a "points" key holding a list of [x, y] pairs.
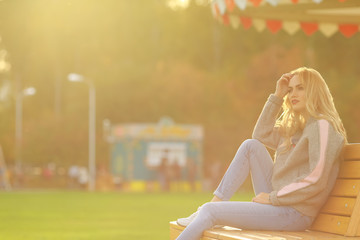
{"points": [[296, 95]]}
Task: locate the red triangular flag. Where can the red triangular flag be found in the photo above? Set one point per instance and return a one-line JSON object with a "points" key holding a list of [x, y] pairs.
{"points": [[230, 5], [295, 1], [256, 2], [309, 27], [274, 25], [246, 22], [226, 19], [348, 29]]}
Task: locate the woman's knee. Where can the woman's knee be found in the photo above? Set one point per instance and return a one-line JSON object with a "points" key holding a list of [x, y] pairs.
{"points": [[207, 209], [251, 144]]}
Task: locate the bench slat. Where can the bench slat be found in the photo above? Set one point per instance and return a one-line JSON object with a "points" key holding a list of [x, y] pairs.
{"points": [[331, 223], [352, 151], [354, 224], [339, 206], [346, 188], [350, 169]]}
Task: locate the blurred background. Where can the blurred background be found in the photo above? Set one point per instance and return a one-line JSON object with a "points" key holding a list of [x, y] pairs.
{"points": [[146, 61], [145, 95]]}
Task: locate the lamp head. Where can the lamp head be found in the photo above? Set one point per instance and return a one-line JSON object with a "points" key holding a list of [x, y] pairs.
{"points": [[74, 77], [29, 91]]}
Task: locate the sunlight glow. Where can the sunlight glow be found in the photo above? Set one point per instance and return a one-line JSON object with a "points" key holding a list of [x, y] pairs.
{"points": [[178, 4], [74, 77], [29, 91]]}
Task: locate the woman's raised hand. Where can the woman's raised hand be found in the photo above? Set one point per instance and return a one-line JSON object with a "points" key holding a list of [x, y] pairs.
{"points": [[282, 85]]}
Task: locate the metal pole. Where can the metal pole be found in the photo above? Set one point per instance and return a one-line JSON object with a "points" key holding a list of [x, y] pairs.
{"points": [[92, 137], [18, 124]]}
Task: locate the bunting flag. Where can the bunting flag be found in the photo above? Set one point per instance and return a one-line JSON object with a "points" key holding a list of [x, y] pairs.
{"points": [[291, 16]]}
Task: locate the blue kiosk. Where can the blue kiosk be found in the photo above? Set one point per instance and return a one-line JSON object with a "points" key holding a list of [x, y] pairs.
{"points": [[156, 156]]}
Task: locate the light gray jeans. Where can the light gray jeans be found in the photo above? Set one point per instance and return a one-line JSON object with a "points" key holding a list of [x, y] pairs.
{"points": [[251, 157]]}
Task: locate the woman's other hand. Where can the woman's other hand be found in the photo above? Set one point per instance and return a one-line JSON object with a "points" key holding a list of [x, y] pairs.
{"points": [[282, 85], [263, 198]]}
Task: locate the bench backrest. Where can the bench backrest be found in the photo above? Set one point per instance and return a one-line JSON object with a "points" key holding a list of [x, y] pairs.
{"points": [[341, 213]]}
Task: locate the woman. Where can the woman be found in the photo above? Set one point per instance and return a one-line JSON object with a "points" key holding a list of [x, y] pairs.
{"points": [[308, 138]]}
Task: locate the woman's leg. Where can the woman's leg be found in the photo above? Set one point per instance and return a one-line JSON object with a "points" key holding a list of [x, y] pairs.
{"points": [[252, 156], [245, 215]]}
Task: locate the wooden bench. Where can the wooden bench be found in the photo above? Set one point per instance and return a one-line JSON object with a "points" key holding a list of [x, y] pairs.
{"points": [[338, 219]]}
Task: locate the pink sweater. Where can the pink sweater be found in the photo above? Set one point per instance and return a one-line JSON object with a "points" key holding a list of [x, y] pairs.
{"points": [[304, 176]]}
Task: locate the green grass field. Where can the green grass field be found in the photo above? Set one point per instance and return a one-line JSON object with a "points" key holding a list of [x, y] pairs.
{"points": [[55, 215]]}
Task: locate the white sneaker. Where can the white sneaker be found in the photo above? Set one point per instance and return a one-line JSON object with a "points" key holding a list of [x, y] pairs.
{"points": [[186, 221]]}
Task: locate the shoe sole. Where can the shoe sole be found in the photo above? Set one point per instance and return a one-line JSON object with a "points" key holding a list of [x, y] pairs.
{"points": [[181, 224]]}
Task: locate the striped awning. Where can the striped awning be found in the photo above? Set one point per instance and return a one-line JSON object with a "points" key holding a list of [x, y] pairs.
{"points": [[291, 16]]}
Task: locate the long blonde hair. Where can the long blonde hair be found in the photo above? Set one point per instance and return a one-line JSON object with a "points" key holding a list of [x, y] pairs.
{"points": [[319, 105]]}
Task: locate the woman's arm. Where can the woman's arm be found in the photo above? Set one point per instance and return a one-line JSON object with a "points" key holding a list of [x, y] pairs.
{"points": [[265, 130], [324, 145]]}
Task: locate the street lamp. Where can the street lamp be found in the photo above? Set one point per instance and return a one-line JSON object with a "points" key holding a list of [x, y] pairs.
{"points": [[74, 77], [18, 121]]}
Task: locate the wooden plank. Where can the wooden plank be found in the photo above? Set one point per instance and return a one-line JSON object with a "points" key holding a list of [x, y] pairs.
{"points": [[352, 151], [346, 188], [350, 169], [174, 231], [331, 223], [354, 224], [275, 235], [339, 206], [229, 233], [324, 236], [174, 225], [305, 235]]}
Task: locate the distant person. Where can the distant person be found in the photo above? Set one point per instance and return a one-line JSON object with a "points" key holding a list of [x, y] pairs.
{"points": [[308, 138], [47, 172], [118, 182], [83, 177], [19, 176], [73, 175], [163, 171]]}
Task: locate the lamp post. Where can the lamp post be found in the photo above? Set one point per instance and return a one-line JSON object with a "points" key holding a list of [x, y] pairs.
{"points": [[18, 121], [74, 77]]}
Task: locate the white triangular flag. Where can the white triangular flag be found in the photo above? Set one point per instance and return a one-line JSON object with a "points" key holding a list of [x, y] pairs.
{"points": [[259, 24], [273, 2], [291, 27], [328, 29], [222, 6], [234, 21], [317, 1], [241, 4]]}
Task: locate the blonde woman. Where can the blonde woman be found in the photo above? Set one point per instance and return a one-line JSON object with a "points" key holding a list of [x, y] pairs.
{"points": [[308, 138]]}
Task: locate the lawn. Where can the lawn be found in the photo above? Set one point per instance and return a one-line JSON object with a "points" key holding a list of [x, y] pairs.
{"points": [[66, 215]]}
